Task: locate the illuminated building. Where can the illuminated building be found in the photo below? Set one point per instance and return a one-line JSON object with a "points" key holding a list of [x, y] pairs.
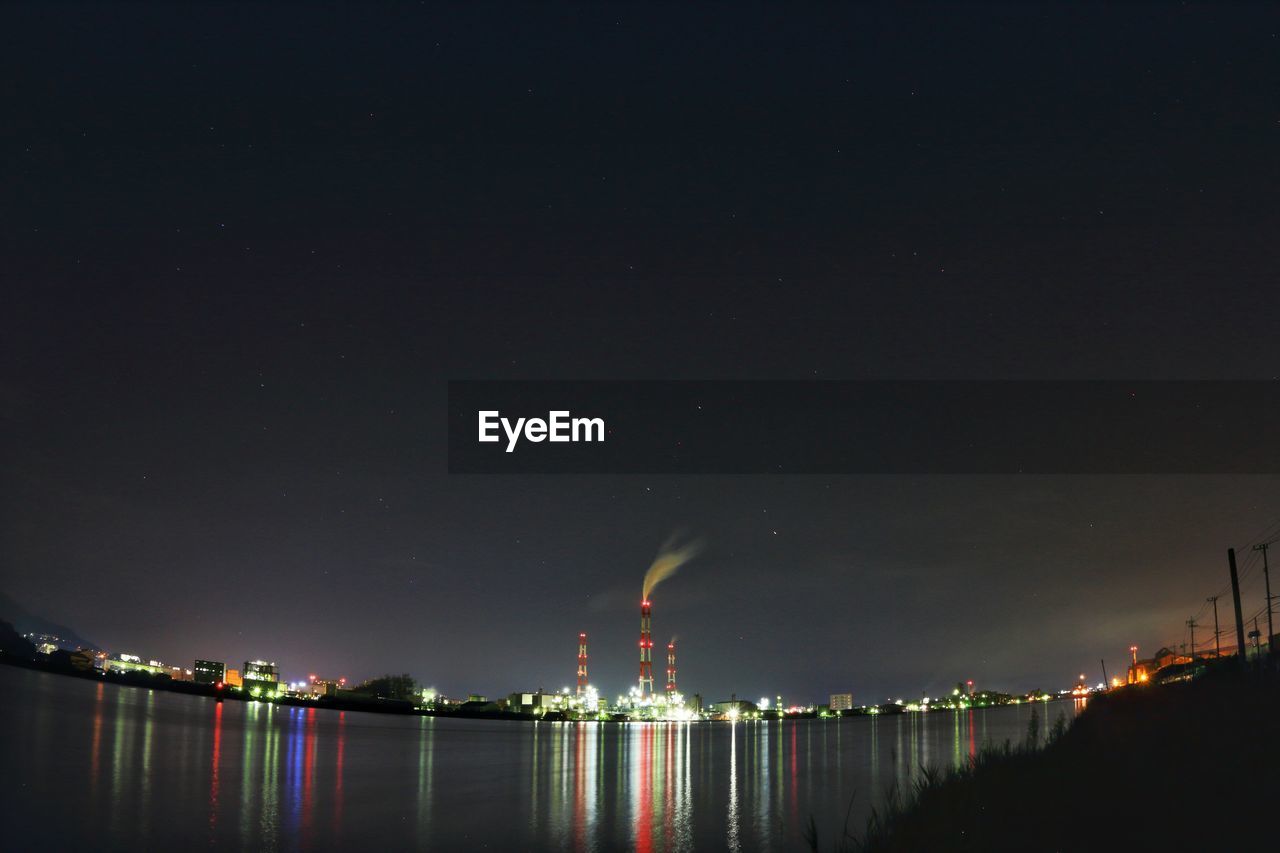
{"points": [[732, 709], [233, 678], [530, 703], [262, 677], [210, 672], [133, 663], [260, 670], [841, 702], [1142, 671], [318, 687]]}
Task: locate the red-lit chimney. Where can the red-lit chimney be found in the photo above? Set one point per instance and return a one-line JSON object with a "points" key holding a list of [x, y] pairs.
{"points": [[646, 651], [582, 664], [671, 667]]}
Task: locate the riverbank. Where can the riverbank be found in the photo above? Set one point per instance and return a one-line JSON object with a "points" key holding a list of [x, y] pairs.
{"points": [[369, 704], [1188, 766]]}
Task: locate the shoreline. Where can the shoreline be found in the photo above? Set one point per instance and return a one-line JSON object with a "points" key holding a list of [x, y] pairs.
{"points": [[1168, 767], [369, 705]]}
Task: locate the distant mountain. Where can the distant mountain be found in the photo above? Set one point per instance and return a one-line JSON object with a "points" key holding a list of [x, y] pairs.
{"points": [[27, 622]]}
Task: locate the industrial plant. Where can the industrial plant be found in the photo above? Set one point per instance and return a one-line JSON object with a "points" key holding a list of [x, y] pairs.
{"points": [[261, 680]]}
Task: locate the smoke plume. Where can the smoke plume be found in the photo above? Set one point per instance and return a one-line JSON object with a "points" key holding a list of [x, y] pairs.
{"points": [[668, 560]]}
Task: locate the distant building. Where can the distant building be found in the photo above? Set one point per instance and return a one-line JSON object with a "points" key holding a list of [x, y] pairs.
{"points": [[480, 705], [529, 702], [233, 678], [317, 687], [1146, 670], [133, 663], [177, 673], [210, 672], [841, 702], [732, 708], [262, 676], [40, 641], [260, 670], [1140, 672]]}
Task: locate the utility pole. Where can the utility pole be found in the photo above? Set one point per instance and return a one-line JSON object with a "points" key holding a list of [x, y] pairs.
{"points": [[1266, 576], [1217, 642], [1191, 623], [1106, 684], [1235, 595]]}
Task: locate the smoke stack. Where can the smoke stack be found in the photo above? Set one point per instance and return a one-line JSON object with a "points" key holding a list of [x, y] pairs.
{"points": [[582, 664], [671, 668], [646, 651]]}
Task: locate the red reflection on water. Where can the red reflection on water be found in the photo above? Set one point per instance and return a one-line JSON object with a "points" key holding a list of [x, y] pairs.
{"points": [[644, 816], [579, 788], [213, 773], [308, 772], [337, 788], [668, 799]]}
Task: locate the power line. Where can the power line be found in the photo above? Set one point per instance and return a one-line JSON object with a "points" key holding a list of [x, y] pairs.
{"points": [[1266, 576], [1239, 574], [1217, 634]]}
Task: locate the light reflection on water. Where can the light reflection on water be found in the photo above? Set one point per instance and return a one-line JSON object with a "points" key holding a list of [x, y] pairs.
{"points": [[152, 769]]}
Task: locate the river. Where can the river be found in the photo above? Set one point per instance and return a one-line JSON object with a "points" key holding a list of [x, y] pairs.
{"points": [[99, 766]]}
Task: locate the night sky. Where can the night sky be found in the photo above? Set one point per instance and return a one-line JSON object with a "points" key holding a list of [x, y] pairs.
{"points": [[244, 250]]}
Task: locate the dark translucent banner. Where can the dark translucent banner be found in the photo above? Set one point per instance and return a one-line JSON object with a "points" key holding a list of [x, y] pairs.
{"points": [[922, 427]]}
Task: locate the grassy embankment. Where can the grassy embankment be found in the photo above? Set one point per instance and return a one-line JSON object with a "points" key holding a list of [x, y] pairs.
{"points": [[1193, 766]]}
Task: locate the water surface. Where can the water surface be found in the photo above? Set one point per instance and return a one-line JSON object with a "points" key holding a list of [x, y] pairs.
{"points": [[101, 766]]}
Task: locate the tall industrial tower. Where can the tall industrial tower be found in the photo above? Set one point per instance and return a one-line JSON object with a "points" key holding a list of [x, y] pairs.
{"points": [[582, 664], [671, 668], [646, 651]]}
